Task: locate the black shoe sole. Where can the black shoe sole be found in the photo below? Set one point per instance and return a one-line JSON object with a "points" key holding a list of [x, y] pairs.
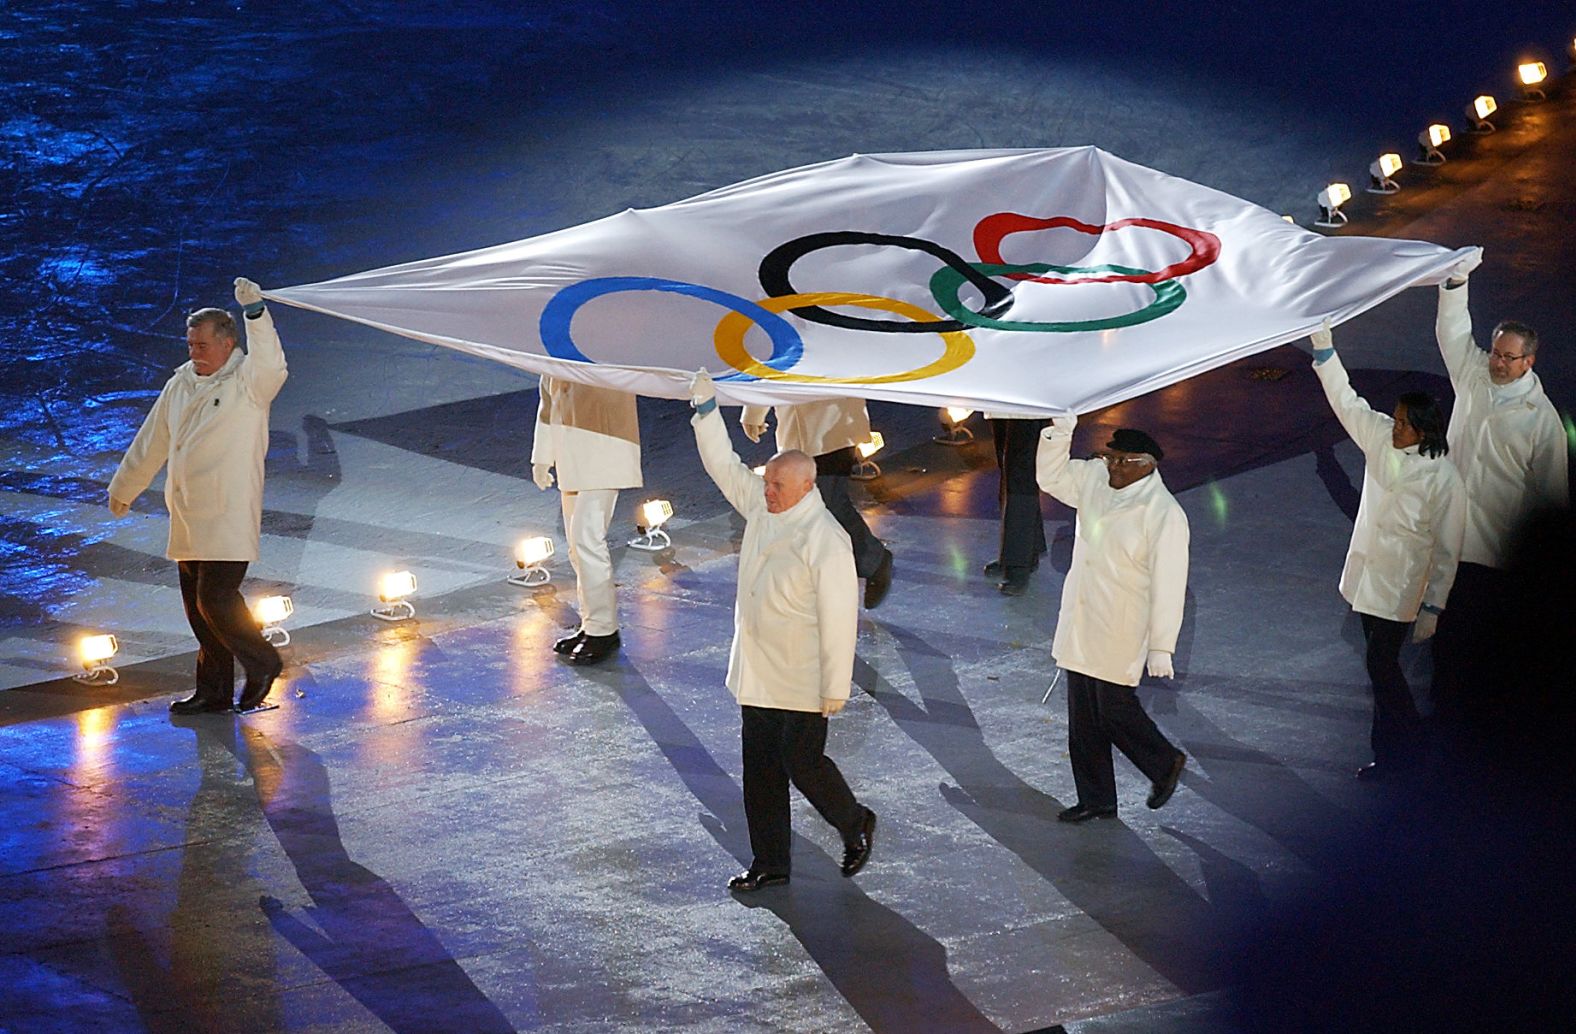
{"points": [[762, 882], [1092, 813]]}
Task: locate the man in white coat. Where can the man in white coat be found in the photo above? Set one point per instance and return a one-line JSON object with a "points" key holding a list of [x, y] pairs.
{"points": [[792, 660], [830, 430], [1405, 545], [1507, 440], [1121, 609], [210, 426], [591, 437]]}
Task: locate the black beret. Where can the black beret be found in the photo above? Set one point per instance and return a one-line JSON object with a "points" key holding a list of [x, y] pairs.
{"points": [[1127, 439]]}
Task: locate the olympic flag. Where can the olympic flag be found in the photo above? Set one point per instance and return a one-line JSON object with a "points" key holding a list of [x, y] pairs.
{"points": [[1037, 282]]}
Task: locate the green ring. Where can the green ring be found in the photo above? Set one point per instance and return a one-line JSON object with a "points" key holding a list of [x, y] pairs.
{"points": [[946, 283]]}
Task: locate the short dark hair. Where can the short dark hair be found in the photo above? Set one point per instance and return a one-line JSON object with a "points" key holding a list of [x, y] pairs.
{"points": [[1521, 330], [222, 322], [1427, 417]]}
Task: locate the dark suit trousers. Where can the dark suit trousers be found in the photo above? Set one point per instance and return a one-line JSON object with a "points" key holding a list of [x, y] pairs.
{"points": [[1467, 664], [224, 627], [831, 477], [1395, 727], [782, 747], [1022, 527], [1101, 715]]}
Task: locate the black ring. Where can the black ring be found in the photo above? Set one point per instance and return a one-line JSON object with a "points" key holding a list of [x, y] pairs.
{"points": [[775, 282]]}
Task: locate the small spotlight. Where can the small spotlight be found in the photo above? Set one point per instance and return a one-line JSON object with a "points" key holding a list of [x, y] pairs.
{"points": [[1288, 219], [1331, 199], [1531, 74], [1381, 170], [1428, 142], [270, 613], [654, 514], [93, 651], [529, 556], [1478, 112], [867, 469], [952, 418], [393, 589]]}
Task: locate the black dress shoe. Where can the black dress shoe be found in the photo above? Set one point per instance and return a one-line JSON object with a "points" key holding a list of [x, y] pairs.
{"points": [[753, 879], [994, 568], [856, 854], [1016, 583], [879, 582], [254, 693], [1083, 813], [592, 648], [569, 642], [1371, 772], [199, 704], [1161, 792]]}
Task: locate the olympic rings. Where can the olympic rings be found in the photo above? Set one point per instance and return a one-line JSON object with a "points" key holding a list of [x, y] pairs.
{"points": [[774, 281], [787, 346], [946, 283], [729, 339], [1204, 247]]}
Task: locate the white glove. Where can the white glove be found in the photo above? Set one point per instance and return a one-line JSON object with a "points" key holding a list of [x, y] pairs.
{"points": [[1322, 338], [1159, 665], [1065, 423], [542, 474], [246, 292], [1424, 625], [119, 507], [701, 388], [1465, 266], [754, 431]]}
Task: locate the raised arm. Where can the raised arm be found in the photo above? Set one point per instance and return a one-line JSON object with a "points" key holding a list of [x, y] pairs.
{"points": [[1453, 322], [744, 490], [1055, 469], [264, 373], [1370, 430]]}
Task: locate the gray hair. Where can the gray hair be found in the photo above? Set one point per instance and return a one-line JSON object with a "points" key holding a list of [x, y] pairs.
{"points": [[222, 322]]}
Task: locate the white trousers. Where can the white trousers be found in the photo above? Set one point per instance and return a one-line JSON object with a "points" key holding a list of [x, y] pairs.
{"points": [[587, 516]]}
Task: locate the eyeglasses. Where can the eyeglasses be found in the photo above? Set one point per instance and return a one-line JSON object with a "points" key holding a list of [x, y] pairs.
{"points": [[1117, 461], [1506, 357]]}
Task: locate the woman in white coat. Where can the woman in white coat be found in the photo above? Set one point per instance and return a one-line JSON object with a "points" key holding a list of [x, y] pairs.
{"points": [[1405, 545]]}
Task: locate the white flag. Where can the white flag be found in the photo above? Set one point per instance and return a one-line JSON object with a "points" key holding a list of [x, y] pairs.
{"points": [[1039, 282]]}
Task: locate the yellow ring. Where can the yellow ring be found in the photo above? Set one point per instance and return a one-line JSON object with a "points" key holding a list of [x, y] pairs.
{"points": [[729, 339]]}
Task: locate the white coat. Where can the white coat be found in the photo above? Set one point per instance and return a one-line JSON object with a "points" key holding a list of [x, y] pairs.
{"points": [[213, 433], [1125, 591], [589, 435], [797, 614], [816, 428], [1410, 523], [1512, 453]]}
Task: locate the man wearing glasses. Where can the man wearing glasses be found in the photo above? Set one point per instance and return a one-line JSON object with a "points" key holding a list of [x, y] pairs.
{"points": [[1509, 444], [1121, 609]]}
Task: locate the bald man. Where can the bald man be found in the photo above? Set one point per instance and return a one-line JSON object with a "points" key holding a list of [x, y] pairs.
{"points": [[792, 660]]}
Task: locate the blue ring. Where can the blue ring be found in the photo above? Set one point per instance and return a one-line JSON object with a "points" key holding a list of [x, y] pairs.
{"points": [[787, 346]]}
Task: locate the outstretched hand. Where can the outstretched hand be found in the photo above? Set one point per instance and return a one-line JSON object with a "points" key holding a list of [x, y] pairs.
{"points": [[701, 388], [247, 292], [1466, 265], [1323, 340]]}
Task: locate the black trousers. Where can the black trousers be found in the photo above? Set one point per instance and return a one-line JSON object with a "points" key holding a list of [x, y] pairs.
{"points": [[1396, 721], [782, 747], [225, 630], [1022, 527], [831, 477], [1102, 715], [1467, 663]]}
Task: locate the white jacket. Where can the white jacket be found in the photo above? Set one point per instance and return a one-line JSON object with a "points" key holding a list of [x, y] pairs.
{"points": [[213, 433], [1512, 455], [1410, 523], [797, 614], [1125, 592], [816, 428], [589, 435]]}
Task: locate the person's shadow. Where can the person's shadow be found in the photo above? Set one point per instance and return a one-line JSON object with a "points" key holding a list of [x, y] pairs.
{"points": [[893, 973]]}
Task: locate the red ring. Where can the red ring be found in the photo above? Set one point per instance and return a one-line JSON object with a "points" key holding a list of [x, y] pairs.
{"points": [[1204, 247]]}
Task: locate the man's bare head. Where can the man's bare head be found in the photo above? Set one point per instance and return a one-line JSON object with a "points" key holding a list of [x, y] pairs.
{"points": [[210, 338], [790, 475]]}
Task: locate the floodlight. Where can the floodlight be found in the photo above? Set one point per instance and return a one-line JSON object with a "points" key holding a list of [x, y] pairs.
{"points": [[1531, 74], [1381, 170], [1428, 142], [393, 589], [270, 613], [654, 513], [529, 556], [866, 469], [952, 419], [1478, 112], [93, 651], [1331, 199]]}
